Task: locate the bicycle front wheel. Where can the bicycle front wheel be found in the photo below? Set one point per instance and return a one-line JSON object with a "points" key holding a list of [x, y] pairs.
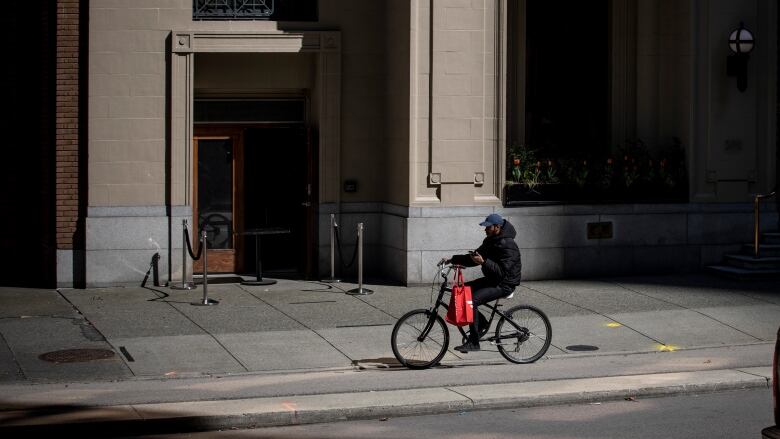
{"points": [[420, 339], [530, 341]]}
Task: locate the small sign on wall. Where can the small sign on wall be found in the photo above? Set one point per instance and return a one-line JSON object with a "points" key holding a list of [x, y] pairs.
{"points": [[601, 230], [350, 186]]}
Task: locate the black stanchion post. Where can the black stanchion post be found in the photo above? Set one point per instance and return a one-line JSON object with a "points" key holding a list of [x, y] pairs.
{"points": [[156, 269], [152, 268]]}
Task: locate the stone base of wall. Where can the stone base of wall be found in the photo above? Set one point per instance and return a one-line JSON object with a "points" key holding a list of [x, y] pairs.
{"points": [[402, 245], [121, 242], [554, 243], [70, 268]]}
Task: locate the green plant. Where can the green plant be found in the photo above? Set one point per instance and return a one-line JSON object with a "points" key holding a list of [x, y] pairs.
{"points": [[550, 173], [634, 153], [532, 175], [671, 167], [630, 171], [520, 158], [607, 173], [522, 165], [577, 171], [515, 170], [647, 172]]}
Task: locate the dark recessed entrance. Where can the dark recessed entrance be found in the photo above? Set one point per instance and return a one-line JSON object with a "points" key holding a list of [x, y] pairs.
{"points": [[256, 173], [278, 192]]}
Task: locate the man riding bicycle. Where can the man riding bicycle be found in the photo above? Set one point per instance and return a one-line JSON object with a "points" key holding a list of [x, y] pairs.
{"points": [[499, 259]]}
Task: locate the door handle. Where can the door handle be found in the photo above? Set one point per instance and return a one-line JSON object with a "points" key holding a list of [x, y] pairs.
{"points": [[306, 204]]}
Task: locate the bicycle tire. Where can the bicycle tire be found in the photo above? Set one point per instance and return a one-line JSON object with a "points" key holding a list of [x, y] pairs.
{"points": [[413, 353], [534, 344]]}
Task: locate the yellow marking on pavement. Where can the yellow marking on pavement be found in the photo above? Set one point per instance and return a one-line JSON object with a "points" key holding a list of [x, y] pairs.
{"points": [[613, 325], [666, 347], [291, 406]]}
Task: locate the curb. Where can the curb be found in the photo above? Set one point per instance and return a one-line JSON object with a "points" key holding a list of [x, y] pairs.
{"points": [[180, 417]]}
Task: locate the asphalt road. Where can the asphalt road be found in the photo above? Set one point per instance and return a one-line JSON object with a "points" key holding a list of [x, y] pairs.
{"points": [[738, 414]]}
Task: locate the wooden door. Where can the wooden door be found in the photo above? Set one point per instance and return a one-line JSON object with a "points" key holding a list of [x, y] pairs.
{"points": [[218, 174]]}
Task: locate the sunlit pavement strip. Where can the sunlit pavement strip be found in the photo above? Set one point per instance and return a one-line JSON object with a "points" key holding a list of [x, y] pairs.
{"points": [[253, 412]]}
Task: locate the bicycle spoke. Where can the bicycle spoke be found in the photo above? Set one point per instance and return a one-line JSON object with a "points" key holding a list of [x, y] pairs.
{"points": [[412, 351], [528, 343]]}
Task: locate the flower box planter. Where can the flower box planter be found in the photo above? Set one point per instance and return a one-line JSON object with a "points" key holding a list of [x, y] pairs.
{"points": [[542, 193], [561, 193]]}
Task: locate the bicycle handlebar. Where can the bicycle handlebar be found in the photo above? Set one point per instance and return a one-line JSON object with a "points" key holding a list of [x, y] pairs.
{"points": [[444, 264], [446, 267]]}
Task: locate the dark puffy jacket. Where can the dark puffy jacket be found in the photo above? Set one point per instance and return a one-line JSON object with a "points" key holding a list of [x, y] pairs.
{"points": [[502, 257]]}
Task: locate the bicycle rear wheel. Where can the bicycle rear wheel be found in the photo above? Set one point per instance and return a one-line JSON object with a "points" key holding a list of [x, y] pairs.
{"points": [[531, 341], [412, 352]]}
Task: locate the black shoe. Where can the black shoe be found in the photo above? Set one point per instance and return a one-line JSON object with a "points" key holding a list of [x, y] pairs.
{"points": [[467, 347]]}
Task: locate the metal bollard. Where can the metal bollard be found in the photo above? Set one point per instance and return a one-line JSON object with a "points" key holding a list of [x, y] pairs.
{"points": [[206, 301], [333, 226], [184, 284], [360, 291]]}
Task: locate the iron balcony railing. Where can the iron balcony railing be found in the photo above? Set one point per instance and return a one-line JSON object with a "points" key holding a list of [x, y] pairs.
{"points": [[232, 9]]}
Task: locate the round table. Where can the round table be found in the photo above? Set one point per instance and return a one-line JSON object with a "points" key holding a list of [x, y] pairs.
{"points": [[257, 233]]}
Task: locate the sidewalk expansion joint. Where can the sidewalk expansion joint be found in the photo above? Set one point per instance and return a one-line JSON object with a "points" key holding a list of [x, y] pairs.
{"points": [[768, 380], [473, 403]]}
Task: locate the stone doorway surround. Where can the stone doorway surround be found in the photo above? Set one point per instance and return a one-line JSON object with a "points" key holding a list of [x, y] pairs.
{"points": [[325, 109], [326, 105]]}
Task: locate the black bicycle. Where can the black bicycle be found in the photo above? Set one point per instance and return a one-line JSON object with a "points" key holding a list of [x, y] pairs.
{"points": [[420, 337]]}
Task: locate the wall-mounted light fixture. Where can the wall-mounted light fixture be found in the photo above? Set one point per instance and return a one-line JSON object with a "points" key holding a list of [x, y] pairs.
{"points": [[741, 42]]}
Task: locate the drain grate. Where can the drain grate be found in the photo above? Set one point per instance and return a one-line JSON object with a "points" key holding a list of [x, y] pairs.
{"points": [[76, 355], [581, 348]]}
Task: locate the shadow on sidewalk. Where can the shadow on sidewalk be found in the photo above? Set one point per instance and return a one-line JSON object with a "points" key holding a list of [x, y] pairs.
{"points": [[108, 422]]}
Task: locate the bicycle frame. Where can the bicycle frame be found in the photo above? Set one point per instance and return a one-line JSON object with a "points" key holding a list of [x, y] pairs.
{"points": [[445, 272]]}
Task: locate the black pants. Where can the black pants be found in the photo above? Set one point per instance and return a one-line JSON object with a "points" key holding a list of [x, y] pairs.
{"points": [[483, 291]]}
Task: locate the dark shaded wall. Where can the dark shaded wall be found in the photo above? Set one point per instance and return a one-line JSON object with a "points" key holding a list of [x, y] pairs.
{"points": [[28, 249]]}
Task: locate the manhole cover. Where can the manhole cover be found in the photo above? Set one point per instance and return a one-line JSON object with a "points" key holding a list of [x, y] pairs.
{"points": [[76, 355], [581, 347]]}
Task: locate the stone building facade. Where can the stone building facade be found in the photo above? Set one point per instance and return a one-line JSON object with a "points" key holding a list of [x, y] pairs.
{"points": [[403, 116]]}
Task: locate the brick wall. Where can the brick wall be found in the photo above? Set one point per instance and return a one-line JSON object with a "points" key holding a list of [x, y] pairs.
{"points": [[67, 125]]}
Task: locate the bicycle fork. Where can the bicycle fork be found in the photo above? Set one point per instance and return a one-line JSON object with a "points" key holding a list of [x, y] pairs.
{"points": [[428, 326]]}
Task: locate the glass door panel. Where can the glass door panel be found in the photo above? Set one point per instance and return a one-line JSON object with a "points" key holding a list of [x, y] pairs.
{"points": [[215, 192], [218, 180]]}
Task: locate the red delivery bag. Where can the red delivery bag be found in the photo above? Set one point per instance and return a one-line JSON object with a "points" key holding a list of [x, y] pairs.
{"points": [[460, 311]]}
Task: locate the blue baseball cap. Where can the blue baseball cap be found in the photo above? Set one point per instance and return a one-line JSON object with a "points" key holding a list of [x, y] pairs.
{"points": [[493, 219]]}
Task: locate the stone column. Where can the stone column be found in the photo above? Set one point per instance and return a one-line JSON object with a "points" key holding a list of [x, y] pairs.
{"points": [[460, 115]]}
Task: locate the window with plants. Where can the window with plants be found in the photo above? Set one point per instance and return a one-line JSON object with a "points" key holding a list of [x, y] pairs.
{"points": [[631, 173]]}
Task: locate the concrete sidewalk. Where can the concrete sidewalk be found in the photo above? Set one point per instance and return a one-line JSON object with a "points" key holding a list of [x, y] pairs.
{"points": [[307, 352]]}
